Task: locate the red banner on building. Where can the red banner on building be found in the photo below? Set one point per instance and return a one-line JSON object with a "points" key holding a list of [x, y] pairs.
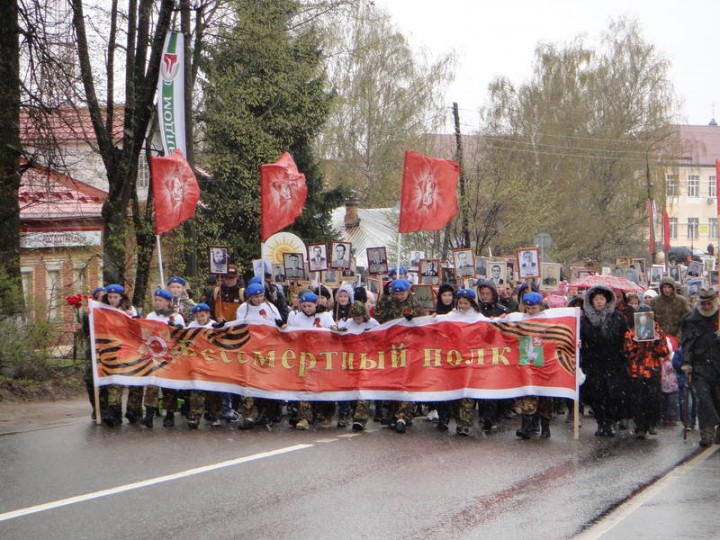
{"points": [[282, 195], [426, 359]]}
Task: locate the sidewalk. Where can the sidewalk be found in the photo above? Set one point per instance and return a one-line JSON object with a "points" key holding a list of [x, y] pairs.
{"points": [[26, 416]]}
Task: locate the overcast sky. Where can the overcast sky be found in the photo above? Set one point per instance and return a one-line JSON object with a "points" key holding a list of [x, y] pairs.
{"points": [[494, 38]]}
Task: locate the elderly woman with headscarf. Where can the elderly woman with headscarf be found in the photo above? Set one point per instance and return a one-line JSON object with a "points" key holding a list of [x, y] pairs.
{"points": [[602, 334]]}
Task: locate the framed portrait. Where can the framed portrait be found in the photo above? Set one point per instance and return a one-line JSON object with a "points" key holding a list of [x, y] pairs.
{"points": [[497, 271], [693, 286], [261, 267], [694, 269], [374, 285], [528, 263], [656, 273], [341, 253], [424, 297], [481, 267], [278, 271], [294, 264], [317, 257], [708, 263], [550, 278], [714, 277], [448, 274], [579, 272], [674, 271], [331, 277], [218, 259], [377, 261], [430, 271], [415, 258], [640, 265], [606, 271], [464, 263], [644, 326]]}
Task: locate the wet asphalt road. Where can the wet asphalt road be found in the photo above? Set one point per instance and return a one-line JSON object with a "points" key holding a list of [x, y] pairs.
{"points": [[334, 484]]}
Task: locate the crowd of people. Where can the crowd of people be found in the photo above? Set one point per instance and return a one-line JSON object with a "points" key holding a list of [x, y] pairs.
{"points": [[664, 370]]}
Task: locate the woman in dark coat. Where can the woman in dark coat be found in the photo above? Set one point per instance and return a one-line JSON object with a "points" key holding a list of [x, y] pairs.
{"points": [[602, 331]]}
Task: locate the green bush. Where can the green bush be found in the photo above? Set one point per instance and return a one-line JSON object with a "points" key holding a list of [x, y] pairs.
{"points": [[25, 351]]}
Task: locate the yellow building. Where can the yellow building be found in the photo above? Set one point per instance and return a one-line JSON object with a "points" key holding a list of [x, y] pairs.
{"points": [[691, 187]]}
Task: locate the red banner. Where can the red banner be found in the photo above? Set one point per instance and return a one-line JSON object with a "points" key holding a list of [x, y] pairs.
{"points": [[175, 189], [282, 195], [429, 193], [426, 359]]}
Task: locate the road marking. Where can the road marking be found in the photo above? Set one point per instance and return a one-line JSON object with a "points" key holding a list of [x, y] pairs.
{"points": [[325, 440], [624, 511], [149, 482], [349, 435]]}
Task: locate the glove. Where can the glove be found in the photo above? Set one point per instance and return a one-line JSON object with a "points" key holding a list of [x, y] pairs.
{"points": [[279, 323], [408, 315], [686, 369], [219, 324]]}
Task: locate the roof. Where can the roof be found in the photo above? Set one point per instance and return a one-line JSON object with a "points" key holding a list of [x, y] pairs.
{"points": [[377, 228], [46, 194], [700, 144], [65, 125]]}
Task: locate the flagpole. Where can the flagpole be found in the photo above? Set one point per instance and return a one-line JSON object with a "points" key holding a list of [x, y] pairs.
{"points": [[160, 263], [397, 267]]}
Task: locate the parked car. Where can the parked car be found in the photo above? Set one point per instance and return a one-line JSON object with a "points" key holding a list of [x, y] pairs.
{"points": [[683, 254]]}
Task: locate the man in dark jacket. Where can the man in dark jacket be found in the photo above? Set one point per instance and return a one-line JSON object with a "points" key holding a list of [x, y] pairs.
{"points": [[701, 362], [669, 307]]}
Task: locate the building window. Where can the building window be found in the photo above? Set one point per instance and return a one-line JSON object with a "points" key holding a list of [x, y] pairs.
{"points": [[712, 186], [693, 185], [713, 228], [28, 291], [671, 185], [53, 292], [674, 228], [143, 174], [693, 227]]}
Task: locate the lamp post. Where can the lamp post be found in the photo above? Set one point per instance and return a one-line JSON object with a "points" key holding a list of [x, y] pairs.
{"points": [[650, 205]]}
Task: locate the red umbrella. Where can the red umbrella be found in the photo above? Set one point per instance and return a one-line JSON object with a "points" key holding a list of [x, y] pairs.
{"points": [[611, 282]]}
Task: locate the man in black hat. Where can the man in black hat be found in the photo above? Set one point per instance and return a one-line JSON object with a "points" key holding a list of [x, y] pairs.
{"points": [[701, 362]]}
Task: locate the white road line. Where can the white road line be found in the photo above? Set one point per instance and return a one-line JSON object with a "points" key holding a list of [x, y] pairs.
{"points": [[349, 435], [147, 483], [624, 511], [325, 440]]}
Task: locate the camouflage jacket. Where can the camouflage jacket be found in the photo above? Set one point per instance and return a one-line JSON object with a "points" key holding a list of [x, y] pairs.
{"points": [[388, 309]]}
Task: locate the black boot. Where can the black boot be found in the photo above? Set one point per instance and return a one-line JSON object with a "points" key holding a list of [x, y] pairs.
{"points": [[545, 428], [149, 416], [132, 417], [525, 428], [113, 416], [169, 420]]}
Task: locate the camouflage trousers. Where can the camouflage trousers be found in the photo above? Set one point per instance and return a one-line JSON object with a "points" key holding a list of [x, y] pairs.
{"points": [[201, 402], [463, 410], [401, 410], [170, 397], [308, 410], [531, 405], [361, 411], [251, 408]]}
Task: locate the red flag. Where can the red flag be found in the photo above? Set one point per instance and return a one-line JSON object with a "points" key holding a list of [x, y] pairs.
{"points": [[666, 231], [429, 193], [282, 195], [175, 189]]}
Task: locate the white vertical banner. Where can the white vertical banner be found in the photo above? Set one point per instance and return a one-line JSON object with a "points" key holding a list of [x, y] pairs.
{"points": [[171, 95]]}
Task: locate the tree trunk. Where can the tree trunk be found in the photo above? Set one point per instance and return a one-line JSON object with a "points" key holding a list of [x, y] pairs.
{"points": [[11, 298]]}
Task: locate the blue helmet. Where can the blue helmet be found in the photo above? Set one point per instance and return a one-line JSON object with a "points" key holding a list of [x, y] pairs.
{"points": [[179, 280], [162, 293], [115, 288], [197, 308], [253, 289]]}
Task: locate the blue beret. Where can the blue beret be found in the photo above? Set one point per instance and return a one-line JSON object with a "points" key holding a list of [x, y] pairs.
{"points": [[179, 280], [162, 293], [197, 308], [532, 299], [117, 289], [254, 288], [308, 297], [400, 285], [97, 290], [256, 279], [466, 293], [393, 271]]}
